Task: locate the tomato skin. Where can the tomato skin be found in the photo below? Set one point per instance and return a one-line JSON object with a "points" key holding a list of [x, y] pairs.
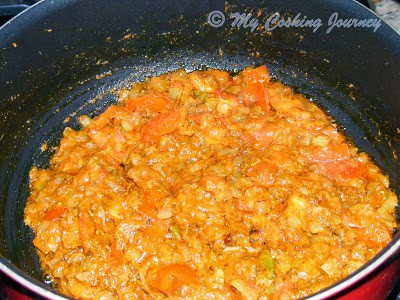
{"points": [[258, 95], [347, 169], [258, 74], [261, 72], [116, 256], [103, 119], [170, 279], [263, 136], [262, 174], [55, 213], [331, 154], [152, 102], [162, 124]]}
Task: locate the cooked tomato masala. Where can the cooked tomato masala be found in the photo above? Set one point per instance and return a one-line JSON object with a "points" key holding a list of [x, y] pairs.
{"points": [[205, 186]]}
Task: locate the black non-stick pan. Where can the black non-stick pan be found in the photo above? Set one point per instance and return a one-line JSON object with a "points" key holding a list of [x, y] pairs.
{"points": [[61, 59]]}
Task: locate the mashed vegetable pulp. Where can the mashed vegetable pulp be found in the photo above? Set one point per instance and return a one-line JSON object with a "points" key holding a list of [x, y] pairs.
{"points": [[206, 186]]}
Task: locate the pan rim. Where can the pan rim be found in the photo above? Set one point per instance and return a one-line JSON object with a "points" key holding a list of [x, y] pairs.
{"points": [[389, 252], [385, 255]]}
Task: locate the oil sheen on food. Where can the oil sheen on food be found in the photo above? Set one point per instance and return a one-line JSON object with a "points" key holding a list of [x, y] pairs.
{"points": [[207, 186]]}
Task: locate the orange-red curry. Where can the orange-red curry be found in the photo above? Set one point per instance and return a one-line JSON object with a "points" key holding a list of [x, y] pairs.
{"points": [[207, 186]]}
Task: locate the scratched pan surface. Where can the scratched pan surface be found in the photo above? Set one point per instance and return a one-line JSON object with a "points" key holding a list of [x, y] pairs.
{"points": [[62, 59]]}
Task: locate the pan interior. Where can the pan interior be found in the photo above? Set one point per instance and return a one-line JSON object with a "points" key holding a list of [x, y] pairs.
{"points": [[84, 71]]}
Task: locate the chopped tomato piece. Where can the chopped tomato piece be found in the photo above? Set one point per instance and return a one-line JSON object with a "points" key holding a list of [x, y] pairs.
{"points": [[331, 153], [257, 74], [247, 288], [257, 92], [153, 102], [218, 186], [155, 232], [116, 255], [222, 76], [109, 140], [225, 95], [156, 229], [347, 169], [170, 279], [49, 240], [87, 229], [40, 244], [282, 290], [104, 118], [261, 72], [100, 137], [262, 174], [149, 198], [204, 119], [148, 208], [263, 136], [375, 236], [162, 124], [55, 213], [288, 106], [230, 293]]}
